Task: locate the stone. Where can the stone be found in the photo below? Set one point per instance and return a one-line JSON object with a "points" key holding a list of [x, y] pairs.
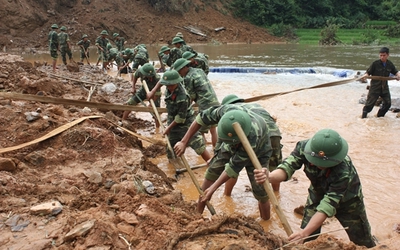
{"points": [[47, 208], [7, 164], [128, 217], [80, 230]]}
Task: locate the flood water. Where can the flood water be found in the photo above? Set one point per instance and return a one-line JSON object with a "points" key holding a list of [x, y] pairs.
{"points": [[373, 142]]}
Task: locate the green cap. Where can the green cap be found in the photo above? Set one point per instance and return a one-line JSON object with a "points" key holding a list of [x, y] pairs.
{"points": [[226, 132], [115, 35], [188, 55], [229, 99], [177, 39], [54, 26], [326, 149], [147, 69], [171, 77], [104, 32], [63, 28], [84, 36], [180, 63], [164, 48]]}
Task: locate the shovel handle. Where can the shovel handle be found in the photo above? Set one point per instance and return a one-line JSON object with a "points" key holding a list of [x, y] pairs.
{"points": [[246, 144]]}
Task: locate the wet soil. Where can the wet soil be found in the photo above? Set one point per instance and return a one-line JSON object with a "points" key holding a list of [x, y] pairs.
{"points": [[95, 170]]}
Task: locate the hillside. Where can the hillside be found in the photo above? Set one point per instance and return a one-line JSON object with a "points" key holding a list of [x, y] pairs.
{"points": [[26, 23]]}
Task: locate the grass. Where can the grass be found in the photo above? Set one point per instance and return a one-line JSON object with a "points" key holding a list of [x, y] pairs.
{"points": [[346, 36]]}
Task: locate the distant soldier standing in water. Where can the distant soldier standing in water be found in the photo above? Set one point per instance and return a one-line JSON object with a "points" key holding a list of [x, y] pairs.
{"points": [[101, 43], [54, 45], [65, 46], [119, 41], [84, 44]]}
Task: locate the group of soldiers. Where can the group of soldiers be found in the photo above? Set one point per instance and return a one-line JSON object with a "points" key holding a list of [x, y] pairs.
{"points": [[335, 188]]}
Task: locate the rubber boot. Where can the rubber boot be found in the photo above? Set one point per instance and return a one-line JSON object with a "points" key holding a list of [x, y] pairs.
{"points": [[380, 113], [364, 114]]}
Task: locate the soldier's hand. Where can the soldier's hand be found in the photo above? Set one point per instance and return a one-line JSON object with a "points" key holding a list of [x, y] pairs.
{"points": [[179, 148], [260, 175]]}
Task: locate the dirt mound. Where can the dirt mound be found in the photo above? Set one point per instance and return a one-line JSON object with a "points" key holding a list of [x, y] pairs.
{"points": [[149, 22]]}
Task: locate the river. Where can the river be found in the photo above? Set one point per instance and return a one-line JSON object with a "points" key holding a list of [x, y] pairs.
{"points": [[373, 142]]}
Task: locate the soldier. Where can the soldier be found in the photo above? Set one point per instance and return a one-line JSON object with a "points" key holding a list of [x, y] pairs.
{"points": [[231, 157], [54, 46], [148, 74], [119, 41], [199, 89], [141, 56], [179, 44], [180, 114], [179, 34], [378, 88], [335, 188], [101, 44], [65, 45], [170, 55], [274, 136], [115, 55], [84, 44], [196, 61]]}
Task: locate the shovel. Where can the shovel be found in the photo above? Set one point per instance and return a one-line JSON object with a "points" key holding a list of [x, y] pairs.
{"points": [[245, 142], [174, 161]]}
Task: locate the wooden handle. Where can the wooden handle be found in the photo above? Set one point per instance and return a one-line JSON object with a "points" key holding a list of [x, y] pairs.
{"points": [[196, 183], [381, 78], [266, 184]]}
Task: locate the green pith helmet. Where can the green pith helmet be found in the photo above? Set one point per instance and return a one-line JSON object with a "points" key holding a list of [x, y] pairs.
{"points": [[179, 34], [147, 70], [171, 77], [164, 48], [109, 46], [143, 45], [326, 149], [84, 36], [128, 52], [180, 63], [187, 55], [63, 28], [226, 132], [229, 99], [115, 35], [177, 39], [54, 26], [104, 32]]}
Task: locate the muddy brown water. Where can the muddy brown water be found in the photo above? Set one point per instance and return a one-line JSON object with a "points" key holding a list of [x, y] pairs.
{"points": [[373, 142]]}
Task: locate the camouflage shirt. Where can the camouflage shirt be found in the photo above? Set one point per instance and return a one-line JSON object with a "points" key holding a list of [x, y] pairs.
{"points": [[116, 56], [102, 43], [151, 81], [178, 106], [258, 138], [120, 43], [200, 64], [84, 44], [185, 48], [63, 39], [53, 40], [141, 53], [377, 69], [259, 110], [330, 187], [174, 55], [200, 89]]}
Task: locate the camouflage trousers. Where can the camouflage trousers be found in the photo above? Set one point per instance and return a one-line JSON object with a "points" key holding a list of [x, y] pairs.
{"points": [[373, 97], [64, 52], [222, 155], [350, 214], [83, 55], [276, 157], [53, 53], [103, 56], [197, 142]]}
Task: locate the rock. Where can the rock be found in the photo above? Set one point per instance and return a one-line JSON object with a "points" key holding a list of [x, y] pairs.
{"points": [[128, 217], [32, 116], [52, 207], [125, 228], [73, 67], [93, 176], [80, 230], [35, 158], [149, 187], [109, 88], [7, 164]]}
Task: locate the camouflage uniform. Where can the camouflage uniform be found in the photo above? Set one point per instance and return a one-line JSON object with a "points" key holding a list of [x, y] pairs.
{"points": [[200, 64], [103, 55], [174, 55], [274, 133], [115, 56], [233, 158], [379, 88], [85, 45], [185, 48], [334, 191], [120, 42], [140, 95], [180, 111], [63, 39], [53, 44], [141, 57]]}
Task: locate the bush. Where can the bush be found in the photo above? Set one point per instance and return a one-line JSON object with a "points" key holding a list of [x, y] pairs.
{"points": [[283, 30], [328, 34]]}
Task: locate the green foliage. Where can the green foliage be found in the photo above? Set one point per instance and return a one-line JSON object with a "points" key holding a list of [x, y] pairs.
{"points": [[328, 34], [392, 31], [369, 36], [283, 30]]}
